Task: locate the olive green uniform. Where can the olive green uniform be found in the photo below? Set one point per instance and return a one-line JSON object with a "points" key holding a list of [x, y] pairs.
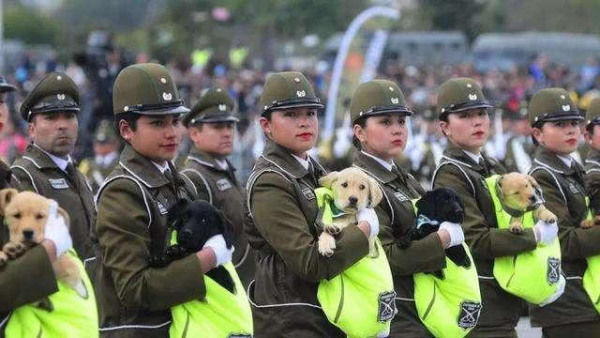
{"points": [[397, 217], [458, 171], [96, 173], [592, 180], [135, 299], [519, 153], [283, 232], [36, 171], [221, 188]]}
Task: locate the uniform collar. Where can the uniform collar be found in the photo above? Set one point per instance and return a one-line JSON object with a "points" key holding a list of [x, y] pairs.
{"points": [[208, 160], [550, 160], [283, 159], [385, 164], [142, 168], [374, 167], [42, 159], [303, 162], [455, 154]]}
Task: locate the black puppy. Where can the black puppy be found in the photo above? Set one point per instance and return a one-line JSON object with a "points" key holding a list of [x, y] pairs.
{"points": [[196, 222], [437, 206]]}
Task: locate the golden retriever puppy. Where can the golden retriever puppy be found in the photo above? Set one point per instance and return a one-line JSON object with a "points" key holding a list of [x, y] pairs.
{"points": [[520, 193], [25, 214], [352, 190]]}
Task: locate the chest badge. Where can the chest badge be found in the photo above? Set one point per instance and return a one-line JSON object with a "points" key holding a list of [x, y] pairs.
{"points": [[58, 183], [223, 184], [308, 193], [400, 196], [161, 208]]}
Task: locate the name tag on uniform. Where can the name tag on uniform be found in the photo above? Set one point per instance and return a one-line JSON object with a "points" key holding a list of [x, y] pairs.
{"points": [[400, 196], [58, 183], [308, 193], [161, 208], [223, 184], [573, 188]]}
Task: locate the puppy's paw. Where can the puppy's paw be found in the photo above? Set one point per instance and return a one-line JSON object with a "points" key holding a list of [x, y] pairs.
{"points": [[332, 229], [3, 258], [326, 244], [597, 220], [516, 228], [14, 250], [547, 216], [587, 223]]}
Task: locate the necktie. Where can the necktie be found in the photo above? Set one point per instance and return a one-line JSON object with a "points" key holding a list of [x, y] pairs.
{"points": [[578, 172], [72, 175], [398, 173], [312, 174], [484, 166]]}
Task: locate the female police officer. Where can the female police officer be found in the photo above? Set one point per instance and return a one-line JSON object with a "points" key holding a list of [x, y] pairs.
{"points": [[379, 114], [281, 227]]}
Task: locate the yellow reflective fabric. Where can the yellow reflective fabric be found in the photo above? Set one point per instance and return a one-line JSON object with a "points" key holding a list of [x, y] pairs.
{"points": [[532, 275], [361, 301], [221, 314], [591, 277], [72, 316], [449, 307]]}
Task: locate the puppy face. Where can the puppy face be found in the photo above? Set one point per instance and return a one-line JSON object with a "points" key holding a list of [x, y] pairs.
{"points": [[441, 205], [352, 189], [519, 191], [25, 214], [198, 222]]}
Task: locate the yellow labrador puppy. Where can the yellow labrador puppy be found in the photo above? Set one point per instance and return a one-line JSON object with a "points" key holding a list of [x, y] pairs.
{"points": [[352, 190]]}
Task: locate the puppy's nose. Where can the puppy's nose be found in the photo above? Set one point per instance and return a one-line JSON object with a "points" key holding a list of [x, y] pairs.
{"points": [[352, 200], [532, 199], [28, 234]]}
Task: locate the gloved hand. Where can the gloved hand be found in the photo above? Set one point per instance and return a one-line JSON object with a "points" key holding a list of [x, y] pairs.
{"points": [[457, 236], [222, 253], [545, 233], [559, 291], [56, 230], [368, 215]]}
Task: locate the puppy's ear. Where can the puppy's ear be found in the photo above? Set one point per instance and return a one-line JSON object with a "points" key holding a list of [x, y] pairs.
{"points": [[375, 193], [6, 195], [65, 216], [328, 180], [533, 182]]}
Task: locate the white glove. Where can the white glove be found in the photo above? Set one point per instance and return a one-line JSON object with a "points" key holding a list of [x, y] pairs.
{"points": [[545, 233], [457, 236], [56, 230], [559, 291], [368, 215], [217, 244]]}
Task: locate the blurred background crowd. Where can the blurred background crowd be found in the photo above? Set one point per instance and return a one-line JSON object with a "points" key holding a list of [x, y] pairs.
{"points": [[512, 47]]}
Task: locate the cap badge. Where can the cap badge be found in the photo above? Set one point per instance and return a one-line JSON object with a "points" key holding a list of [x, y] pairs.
{"points": [[167, 96], [472, 97], [60, 96], [58, 77], [566, 107], [469, 85], [394, 100], [163, 80], [297, 80], [222, 107], [301, 93], [218, 90]]}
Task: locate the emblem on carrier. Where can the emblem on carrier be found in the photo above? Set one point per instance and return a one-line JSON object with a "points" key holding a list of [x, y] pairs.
{"points": [[469, 314], [387, 306]]}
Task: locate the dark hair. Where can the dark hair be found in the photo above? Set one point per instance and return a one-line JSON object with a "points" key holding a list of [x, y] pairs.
{"points": [[362, 122], [129, 117], [590, 128]]}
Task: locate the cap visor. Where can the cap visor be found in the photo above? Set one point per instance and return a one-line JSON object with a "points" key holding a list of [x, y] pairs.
{"points": [[5, 88], [299, 105], [168, 111], [470, 107], [564, 117]]}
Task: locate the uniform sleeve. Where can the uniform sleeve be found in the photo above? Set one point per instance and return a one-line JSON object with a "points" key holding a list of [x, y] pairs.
{"points": [[122, 229], [26, 279], [280, 221], [22, 181], [485, 242], [424, 255], [202, 190], [575, 242], [592, 188]]}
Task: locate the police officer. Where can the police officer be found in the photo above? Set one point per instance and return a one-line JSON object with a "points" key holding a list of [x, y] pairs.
{"points": [[556, 126], [283, 211], [592, 161], [47, 167], [463, 114], [133, 205], [519, 147], [106, 155], [211, 126], [379, 115]]}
